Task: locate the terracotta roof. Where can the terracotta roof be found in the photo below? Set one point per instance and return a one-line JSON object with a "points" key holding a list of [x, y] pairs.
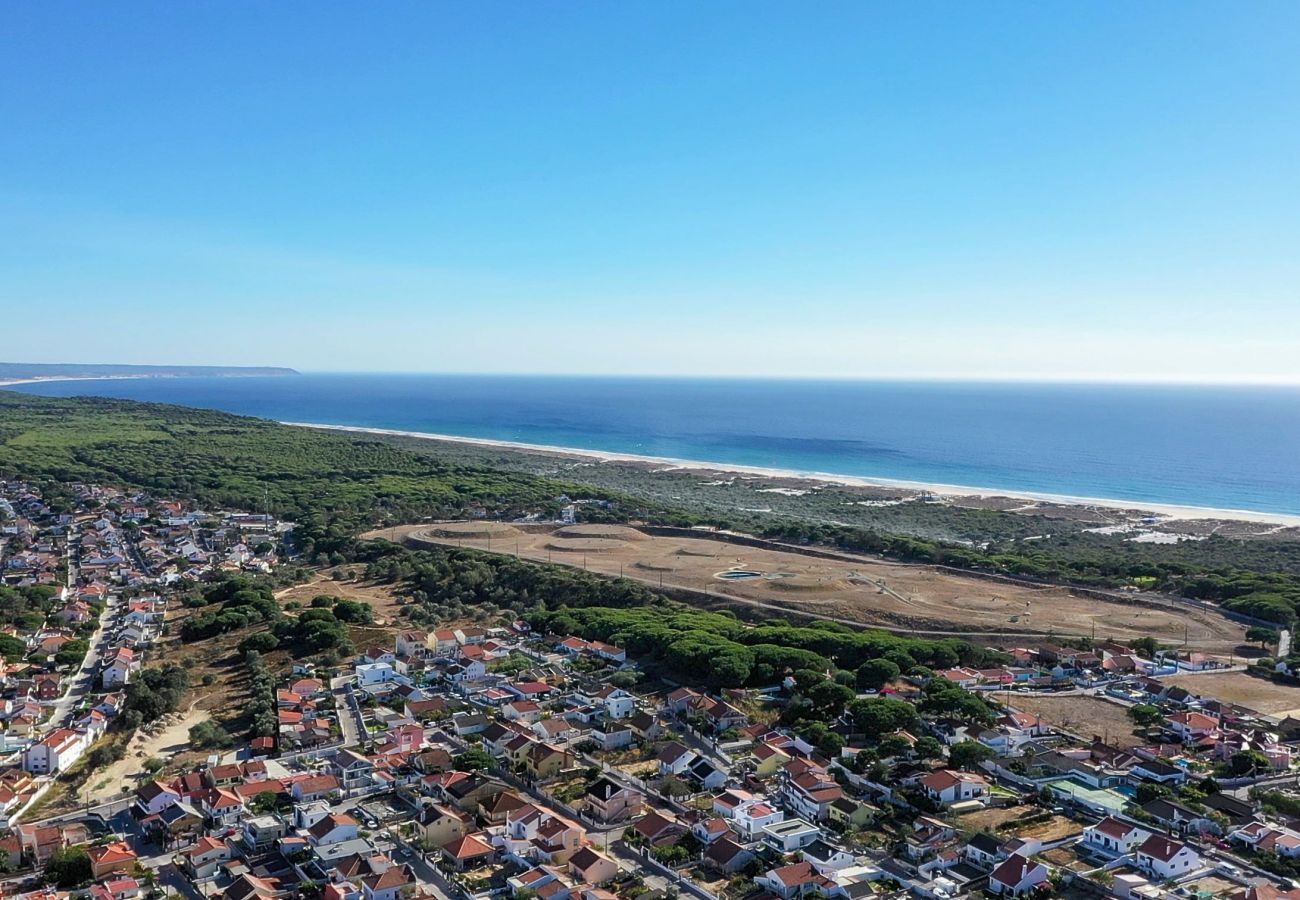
{"points": [[117, 852], [1013, 870], [467, 847], [1160, 847]]}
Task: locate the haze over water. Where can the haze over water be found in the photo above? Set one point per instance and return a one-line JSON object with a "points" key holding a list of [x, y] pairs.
{"points": [[1222, 447]]}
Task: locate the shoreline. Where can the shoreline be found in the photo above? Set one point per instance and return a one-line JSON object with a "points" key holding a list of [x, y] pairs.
{"points": [[1168, 511], [43, 379], [137, 376]]}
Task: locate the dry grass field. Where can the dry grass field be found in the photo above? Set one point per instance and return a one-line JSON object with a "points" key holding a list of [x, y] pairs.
{"points": [[381, 597], [1084, 716], [995, 818], [1240, 687], [858, 590]]}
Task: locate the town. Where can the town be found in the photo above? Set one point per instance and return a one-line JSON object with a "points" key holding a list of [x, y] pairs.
{"points": [[498, 759]]}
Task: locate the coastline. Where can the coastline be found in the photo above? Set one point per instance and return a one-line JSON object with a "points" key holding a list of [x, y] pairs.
{"points": [[1131, 510], [1168, 512], [42, 379], [129, 376]]}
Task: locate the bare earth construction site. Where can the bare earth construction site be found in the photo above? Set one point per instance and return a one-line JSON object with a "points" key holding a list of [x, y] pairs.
{"points": [[841, 587]]}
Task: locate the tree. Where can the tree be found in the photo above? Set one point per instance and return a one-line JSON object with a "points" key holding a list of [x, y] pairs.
{"points": [[71, 653], [69, 867], [1249, 762], [828, 699], [876, 673], [1148, 791], [1145, 646], [1261, 635], [968, 754], [262, 642], [210, 734], [156, 692], [942, 696], [264, 802], [1145, 714], [625, 678], [354, 611], [674, 787], [927, 747], [11, 648], [806, 679], [877, 717], [671, 854], [894, 745], [474, 759]]}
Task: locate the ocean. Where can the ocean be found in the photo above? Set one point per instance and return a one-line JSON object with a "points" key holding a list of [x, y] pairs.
{"points": [[1220, 447]]}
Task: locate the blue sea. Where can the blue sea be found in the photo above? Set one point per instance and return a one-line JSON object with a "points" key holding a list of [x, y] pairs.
{"points": [[1220, 447]]}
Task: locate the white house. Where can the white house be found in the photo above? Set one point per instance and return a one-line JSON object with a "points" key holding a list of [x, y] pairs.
{"points": [[1166, 858], [1159, 772], [389, 884], [375, 673], [674, 758], [522, 711], [947, 787], [154, 797], [1261, 836], [333, 829], [54, 752], [752, 817], [1192, 725], [1114, 837], [799, 880], [119, 671], [618, 703], [708, 776], [1016, 876], [465, 669], [790, 835]]}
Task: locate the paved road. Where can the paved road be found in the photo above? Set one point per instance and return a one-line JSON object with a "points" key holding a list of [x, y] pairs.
{"points": [[429, 874], [66, 706], [351, 722], [630, 861]]}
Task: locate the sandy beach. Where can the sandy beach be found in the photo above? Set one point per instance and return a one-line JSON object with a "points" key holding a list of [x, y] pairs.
{"points": [[9, 382], [1166, 512]]}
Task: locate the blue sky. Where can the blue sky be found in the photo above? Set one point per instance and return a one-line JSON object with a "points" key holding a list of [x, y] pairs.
{"points": [[1056, 190]]}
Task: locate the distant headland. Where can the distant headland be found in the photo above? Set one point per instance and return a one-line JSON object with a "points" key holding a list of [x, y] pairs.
{"points": [[19, 373]]}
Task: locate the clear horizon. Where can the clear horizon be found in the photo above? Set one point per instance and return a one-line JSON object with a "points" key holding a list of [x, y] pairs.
{"points": [[936, 191]]}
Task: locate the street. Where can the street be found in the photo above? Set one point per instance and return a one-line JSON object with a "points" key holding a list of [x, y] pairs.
{"points": [[351, 722], [63, 709]]}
